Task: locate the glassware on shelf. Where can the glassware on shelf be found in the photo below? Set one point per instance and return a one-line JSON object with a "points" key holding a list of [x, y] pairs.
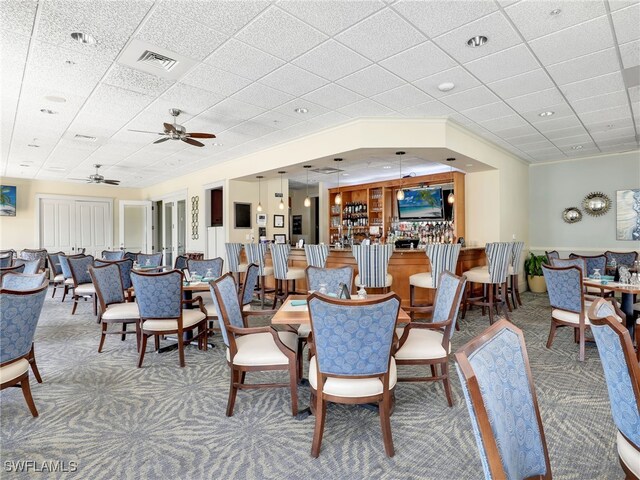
{"points": [[596, 274]]}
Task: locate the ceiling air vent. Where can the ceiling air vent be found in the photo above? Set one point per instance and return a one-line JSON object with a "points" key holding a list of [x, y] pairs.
{"points": [[326, 170], [85, 138], [157, 60]]}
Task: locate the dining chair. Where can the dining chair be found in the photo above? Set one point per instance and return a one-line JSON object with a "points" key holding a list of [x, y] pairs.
{"points": [[622, 374], [160, 302], [351, 359], [6, 261], [113, 305], [255, 253], [621, 258], [513, 286], [498, 388], [553, 254], [236, 267], [66, 272], [112, 254], [30, 266], [126, 267], [282, 272], [316, 255], [373, 265], [201, 267], [14, 269], [82, 285], [56, 271], [151, 259], [39, 254], [180, 263], [252, 349], [10, 252], [19, 314], [132, 255], [429, 343]]}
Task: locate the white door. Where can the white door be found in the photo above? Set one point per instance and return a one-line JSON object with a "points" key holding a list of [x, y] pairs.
{"points": [[181, 227], [135, 226], [57, 225], [169, 239], [93, 226]]}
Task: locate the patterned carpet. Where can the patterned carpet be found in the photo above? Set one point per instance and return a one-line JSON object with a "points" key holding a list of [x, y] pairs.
{"points": [[161, 421]]}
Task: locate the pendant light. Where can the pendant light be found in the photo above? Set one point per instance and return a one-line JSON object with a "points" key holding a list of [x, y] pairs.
{"points": [[281, 204], [338, 199], [400, 194], [307, 200], [259, 177], [451, 198]]}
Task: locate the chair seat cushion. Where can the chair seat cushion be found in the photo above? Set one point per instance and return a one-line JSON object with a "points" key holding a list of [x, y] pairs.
{"points": [[295, 273], [421, 280], [242, 267], [121, 311], [629, 454], [13, 370], [478, 275], [421, 344], [259, 349], [189, 319], [58, 278], [352, 387], [268, 271], [68, 281], [304, 330], [210, 308], [572, 317], [85, 289], [387, 283]]}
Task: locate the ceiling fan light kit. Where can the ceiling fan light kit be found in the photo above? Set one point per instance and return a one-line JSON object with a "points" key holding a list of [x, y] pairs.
{"points": [[174, 131], [97, 178]]}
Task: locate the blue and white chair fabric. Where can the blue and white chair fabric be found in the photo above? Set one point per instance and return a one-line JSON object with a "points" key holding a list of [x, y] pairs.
{"points": [[125, 265], [593, 262], [424, 343], [514, 271], [56, 271], [149, 259], [280, 258], [38, 254], [316, 255], [373, 263], [255, 253], [202, 267], [6, 261], [13, 269], [132, 255], [570, 262], [331, 278], [112, 255], [180, 263], [622, 374], [553, 254], [621, 258], [252, 349], [233, 257], [30, 266], [82, 284], [159, 298], [23, 281], [501, 399], [352, 360], [19, 314], [66, 272], [246, 292], [442, 257]]}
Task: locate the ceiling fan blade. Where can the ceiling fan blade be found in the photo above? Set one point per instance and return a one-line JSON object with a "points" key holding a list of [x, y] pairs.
{"points": [[111, 182], [170, 128], [162, 140], [195, 143], [201, 135], [144, 131]]}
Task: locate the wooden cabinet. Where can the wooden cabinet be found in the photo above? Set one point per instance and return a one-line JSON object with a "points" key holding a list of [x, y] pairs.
{"points": [[216, 208]]}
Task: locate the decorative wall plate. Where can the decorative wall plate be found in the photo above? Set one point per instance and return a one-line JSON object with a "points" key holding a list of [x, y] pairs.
{"points": [[572, 215], [596, 204], [194, 217]]}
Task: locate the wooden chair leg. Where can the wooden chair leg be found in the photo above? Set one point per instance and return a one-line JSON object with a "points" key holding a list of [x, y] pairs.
{"points": [[75, 305], [26, 391], [320, 413], [233, 391], [32, 361], [385, 423], [505, 298], [95, 304], [64, 292], [465, 297], [181, 347], [637, 335], [103, 335], [53, 293], [516, 288], [491, 300], [444, 368], [143, 347], [124, 329], [293, 381], [156, 342], [484, 295], [412, 300], [552, 333]]}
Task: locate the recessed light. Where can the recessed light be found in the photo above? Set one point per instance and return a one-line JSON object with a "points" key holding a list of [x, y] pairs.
{"points": [[451, 159], [53, 98], [576, 147], [301, 110], [33, 145], [83, 38], [555, 11], [47, 111], [477, 41], [387, 167], [546, 114], [69, 62], [217, 144], [446, 86]]}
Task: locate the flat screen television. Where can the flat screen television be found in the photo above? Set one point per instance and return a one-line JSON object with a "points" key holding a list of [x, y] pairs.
{"points": [[421, 204]]}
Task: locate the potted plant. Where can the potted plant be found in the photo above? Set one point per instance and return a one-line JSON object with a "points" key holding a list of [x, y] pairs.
{"points": [[535, 277]]}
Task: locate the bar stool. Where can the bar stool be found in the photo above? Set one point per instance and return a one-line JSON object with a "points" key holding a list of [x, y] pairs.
{"points": [[513, 272], [493, 278], [442, 257], [255, 253], [373, 262], [282, 272], [316, 255], [233, 260]]}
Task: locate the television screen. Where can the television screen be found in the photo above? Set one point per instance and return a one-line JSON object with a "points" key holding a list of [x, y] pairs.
{"points": [[421, 203]]}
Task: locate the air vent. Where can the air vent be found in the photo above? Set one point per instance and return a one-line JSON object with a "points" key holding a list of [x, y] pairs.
{"points": [[84, 138], [326, 170], [157, 60]]}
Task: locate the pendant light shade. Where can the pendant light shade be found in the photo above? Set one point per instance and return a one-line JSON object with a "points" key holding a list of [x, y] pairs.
{"points": [[281, 204], [451, 198], [307, 200], [338, 198], [400, 193], [259, 208]]}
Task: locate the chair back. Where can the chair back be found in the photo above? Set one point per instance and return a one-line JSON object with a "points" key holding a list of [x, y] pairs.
{"points": [[22, 281], [14, 269], [224, 293], [373, 261], [331, 277], [564, 286], [19, 314], [592, 262], [132, 255], [280, 259], [621, 370], [201, 266], [108, 284], [64, 264], [54, 262], [255, 253], [447, 301], [6, 261], [233, 256], [112, 255], [80, 269], [316, 255], [125, 265], [30, 266], [180, 263], [39, 254], [442, 257], [551, 255], [249, 285], [353, 338], [10, 252], [498, 388], [155, 259], [516, 255], [499, 257], [622, 258], [159, 295], [571, 262]]}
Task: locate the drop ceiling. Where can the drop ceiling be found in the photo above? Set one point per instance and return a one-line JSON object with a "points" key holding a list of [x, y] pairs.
{"points": [[255, 62]]}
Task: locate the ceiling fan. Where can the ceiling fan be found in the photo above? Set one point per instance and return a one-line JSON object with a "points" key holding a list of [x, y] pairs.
{"points": [[178, 132], [97, 178]]}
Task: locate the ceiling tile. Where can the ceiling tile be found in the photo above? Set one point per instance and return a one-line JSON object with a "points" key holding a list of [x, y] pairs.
{"points": [[278, 120], [530, 138], [371, 81], [488, 112], [529, 82], [428, 109], [262, 96], [501, 123], [402, 97], [130, 79], [538, 101], [332, 96], [439, 16], [266, 33], [552, 126], [625, 22], [108, 100], [630, 53], [583, 140], [613, 133], [618, 4], [252, 129], [366, 108], [470, 98], [381, 35], [458, 76], [18, 16], [557, 133], [411, 65], [293, 80], [584, 67], [600, 102], [231, 108], [189, 99], [241, 59], [495, 27], [289, 108], [343, 61], [533, 18], [609, 114], [215, 80], [609, 83], [504, 64], [604, 126], [518, 132], [588, 37], [330, 17]]}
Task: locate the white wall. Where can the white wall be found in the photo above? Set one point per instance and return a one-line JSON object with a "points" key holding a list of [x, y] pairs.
{"points": [[556, 186]]}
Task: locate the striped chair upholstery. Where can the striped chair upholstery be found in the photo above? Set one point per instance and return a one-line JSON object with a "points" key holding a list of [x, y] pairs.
{"points": [[373, 261], [112, 255], [233, 257], [499, 256], [255, 253], [516, 257], [442, 257], [316, 255], [280, 258]]}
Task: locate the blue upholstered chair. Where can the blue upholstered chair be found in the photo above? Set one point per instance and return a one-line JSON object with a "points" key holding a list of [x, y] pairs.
{"points": [[132, 255], [493, 278], [6, 261], [114, 308], [30, 255], [149, 259], [352, 363], [8, 253], [82, 285], [498, 388], [622, 374], [112, 255], [13, 269], [251, 349], [19, 314], [622, 258], [316, 255], [443, 257], [56, 271], [66, 272], [282, 272], [428, 343], [125, 265], [553, 254], [570, 262], [180, 263], [373, 263], [233, 260], [201, 267], [30, 266], [255, 253]]}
